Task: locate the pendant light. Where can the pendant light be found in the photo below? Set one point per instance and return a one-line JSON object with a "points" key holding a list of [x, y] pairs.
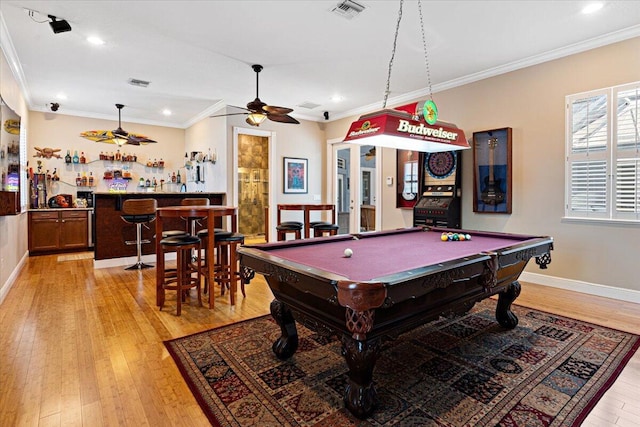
{"points": [[417, 130]]}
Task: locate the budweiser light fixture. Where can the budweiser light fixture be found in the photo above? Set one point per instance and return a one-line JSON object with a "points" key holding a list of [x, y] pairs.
{"points": [[402, 130]]}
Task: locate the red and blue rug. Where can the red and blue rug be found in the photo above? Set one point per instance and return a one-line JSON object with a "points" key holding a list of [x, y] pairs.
{"points": [[466, 371]]}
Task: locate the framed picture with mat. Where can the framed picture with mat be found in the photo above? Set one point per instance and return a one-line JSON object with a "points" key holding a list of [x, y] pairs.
{"points": [[492, 171]]}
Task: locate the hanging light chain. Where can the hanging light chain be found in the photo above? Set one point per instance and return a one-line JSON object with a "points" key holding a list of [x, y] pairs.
{"points": [[424, 46], [393, 54]]}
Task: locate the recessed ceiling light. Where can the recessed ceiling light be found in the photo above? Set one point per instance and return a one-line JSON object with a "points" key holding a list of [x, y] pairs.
{"points": [[95, 40], [337, 98], [166, 112], [592, 7], [61, 96]]}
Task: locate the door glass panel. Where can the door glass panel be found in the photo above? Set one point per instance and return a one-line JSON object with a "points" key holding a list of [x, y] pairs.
{"points": [[355, 184], [343, 198], [367, 175]]}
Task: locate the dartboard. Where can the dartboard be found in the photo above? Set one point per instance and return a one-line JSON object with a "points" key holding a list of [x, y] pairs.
{"points": [[441, 165]]}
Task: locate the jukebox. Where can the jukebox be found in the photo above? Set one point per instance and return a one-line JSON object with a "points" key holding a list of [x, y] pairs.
{"points": [[439, 190]]}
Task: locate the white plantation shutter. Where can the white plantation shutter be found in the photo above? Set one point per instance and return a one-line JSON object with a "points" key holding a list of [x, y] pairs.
{"points": [[603, 154], [587, 155], [589, 186], [628, 186], [627, 153]]}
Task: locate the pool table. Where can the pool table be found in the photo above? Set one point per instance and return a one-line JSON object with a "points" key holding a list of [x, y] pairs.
{"points": [[394, 281]]}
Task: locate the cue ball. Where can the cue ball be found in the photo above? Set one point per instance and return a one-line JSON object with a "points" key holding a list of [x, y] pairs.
{"points": [[348, 252]]}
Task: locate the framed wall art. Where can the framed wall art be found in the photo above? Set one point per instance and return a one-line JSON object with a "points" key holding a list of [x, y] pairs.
{"points": [[296, 175], [492, 171]]}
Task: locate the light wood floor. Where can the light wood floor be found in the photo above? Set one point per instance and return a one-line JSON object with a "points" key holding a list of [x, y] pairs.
{"points": [[80, 346]]}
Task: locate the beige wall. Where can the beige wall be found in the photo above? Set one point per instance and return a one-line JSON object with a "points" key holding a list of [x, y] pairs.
{"points": [[210, 134], [306, 140], [60, 131], [531, 101]]}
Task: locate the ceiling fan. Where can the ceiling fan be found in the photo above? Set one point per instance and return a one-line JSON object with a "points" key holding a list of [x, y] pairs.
{"points": [[258, 111], [118, 136]]}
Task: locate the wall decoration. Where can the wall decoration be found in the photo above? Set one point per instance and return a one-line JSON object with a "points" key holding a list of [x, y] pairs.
{"points": [[407, 178], [295, 175], [47, 152], [492, 171]]}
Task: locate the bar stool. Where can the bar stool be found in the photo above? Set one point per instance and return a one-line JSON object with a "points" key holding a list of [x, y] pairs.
{"points": [[182, 279], [320, 230], [139, 212], [194, 201], [203, 235], [313, 224], [289, 227], [227, 273]]}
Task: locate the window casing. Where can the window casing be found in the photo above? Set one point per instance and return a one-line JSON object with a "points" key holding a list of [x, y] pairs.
{"points": [[603, 154]]}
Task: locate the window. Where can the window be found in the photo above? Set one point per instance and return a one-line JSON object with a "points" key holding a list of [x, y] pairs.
{"points": [[603, 154]]}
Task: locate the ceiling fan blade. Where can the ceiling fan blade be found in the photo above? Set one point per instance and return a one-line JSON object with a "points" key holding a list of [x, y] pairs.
{"points": [[231, 114], [272, 109], [282, 118]]}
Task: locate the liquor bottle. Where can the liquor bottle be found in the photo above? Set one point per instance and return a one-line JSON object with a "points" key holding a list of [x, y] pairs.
{"points": [[155, 163], [78, 180], [118, 155], [178, 179], [76, 159], [83, 159], [148, 183], [84, 179], [161, 163], [90, 179], [67, 158], [154, 183], [173, 177]]}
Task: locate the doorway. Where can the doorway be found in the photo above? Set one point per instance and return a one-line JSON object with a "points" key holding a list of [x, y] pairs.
{"points": [[355, 186], [252, 184]]}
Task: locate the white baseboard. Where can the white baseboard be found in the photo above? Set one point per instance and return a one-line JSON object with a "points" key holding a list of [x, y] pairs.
{"points": [[583, 287], [126, 261], [6, 286]]}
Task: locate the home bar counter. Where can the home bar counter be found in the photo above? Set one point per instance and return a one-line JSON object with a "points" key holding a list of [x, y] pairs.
{"points": [[110, 231]]}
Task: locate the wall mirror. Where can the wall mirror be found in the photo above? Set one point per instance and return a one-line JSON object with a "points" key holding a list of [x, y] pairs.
{"points": [[9, 160]]}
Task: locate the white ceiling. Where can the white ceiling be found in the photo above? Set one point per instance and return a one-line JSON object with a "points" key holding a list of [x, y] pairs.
{"points": [[198, 54]]}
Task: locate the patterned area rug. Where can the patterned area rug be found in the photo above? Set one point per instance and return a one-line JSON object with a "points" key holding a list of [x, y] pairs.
{"points": [[467, 371]]}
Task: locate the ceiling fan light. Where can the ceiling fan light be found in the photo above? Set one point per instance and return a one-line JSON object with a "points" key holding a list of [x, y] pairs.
{"points": [[255, 119]]}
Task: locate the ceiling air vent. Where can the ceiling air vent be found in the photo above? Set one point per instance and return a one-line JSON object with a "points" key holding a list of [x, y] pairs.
{"points": [[348, 9], [308, 105], [138, 82]]}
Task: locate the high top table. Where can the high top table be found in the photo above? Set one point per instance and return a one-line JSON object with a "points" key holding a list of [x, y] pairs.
{"points": [[211, 213], [307, 208]]}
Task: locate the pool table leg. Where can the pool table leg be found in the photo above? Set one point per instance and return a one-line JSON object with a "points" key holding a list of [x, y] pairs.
{"points": [[360, 393], [504, 315], [287, 344]]}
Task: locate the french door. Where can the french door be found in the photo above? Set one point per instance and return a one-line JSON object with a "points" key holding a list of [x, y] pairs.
{"points": [[356, 185]]}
